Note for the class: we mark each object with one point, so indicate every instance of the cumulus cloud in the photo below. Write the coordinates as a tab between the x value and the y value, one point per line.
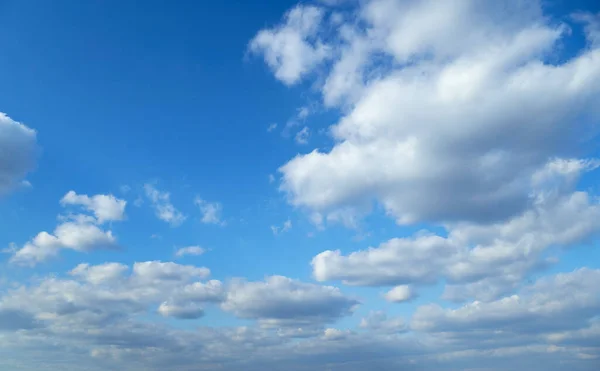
211	211
19	145
164	209
454	123
400	294
292	49
105	207
79	232
103	319
573	297
78	236
281	301
478	260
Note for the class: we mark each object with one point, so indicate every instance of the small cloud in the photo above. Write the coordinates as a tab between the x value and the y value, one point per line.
271	128
302	136
303	112
271	178
190	250
164	209
211	211
400	294
125	188
287	225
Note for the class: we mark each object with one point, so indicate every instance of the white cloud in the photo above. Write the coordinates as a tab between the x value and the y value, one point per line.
76	318
573	297
281	301
105	207
446	106
271	127
100	274
161	202
293	48
190	250
19	146
477	260
400	294
75	235
211	211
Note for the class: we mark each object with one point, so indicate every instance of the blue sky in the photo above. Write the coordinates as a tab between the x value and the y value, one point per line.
330	180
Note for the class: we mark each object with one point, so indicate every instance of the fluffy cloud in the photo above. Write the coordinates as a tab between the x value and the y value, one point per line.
105	207
455	126
77	236
19	146
77	232
293	48
400	294
481	261
281	301
164	209
573	297
98	322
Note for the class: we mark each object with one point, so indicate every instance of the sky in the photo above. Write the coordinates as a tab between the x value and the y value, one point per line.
324	185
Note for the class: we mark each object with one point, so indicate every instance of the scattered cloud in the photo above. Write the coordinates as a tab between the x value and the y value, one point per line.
302	136
105	207
190	250
287	225
79	232
211	211
164	209
293	48
271	127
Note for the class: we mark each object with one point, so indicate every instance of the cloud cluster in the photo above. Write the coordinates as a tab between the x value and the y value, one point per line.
96	317
79	232
479	261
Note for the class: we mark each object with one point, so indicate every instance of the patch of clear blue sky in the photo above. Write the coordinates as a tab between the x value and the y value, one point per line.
125	92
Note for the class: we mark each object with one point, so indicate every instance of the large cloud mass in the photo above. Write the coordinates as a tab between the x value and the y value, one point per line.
469	103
